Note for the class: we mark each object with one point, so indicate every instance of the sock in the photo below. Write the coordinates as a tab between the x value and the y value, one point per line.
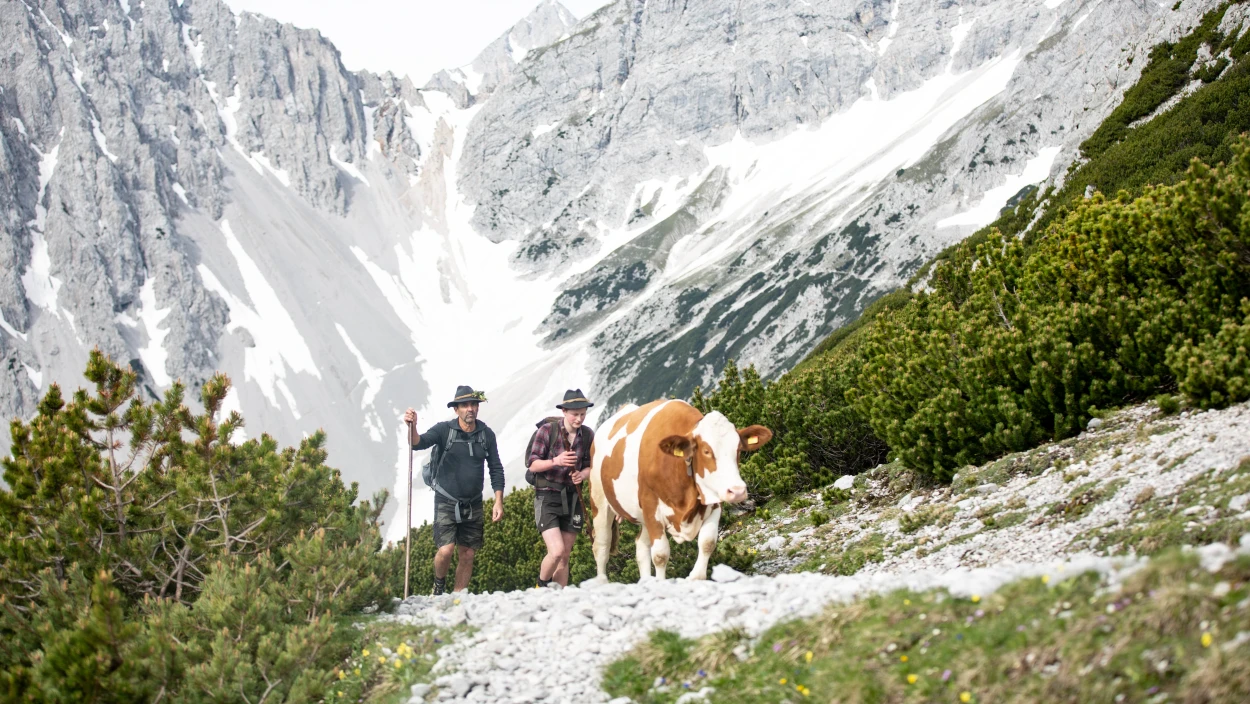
440	585
542	583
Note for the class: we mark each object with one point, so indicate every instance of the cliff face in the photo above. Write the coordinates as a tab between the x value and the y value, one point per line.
620	203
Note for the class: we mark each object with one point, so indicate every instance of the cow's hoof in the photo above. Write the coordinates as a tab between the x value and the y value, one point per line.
595	581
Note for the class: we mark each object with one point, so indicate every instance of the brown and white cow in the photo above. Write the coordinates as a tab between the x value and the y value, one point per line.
666	466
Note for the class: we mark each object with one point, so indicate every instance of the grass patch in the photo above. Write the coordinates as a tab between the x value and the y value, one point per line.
386	660
940	514
1169	633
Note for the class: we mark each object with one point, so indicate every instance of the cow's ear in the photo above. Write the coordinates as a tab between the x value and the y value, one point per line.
678	446
753	438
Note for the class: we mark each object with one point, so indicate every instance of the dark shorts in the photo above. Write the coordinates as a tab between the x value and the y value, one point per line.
549	512
467	533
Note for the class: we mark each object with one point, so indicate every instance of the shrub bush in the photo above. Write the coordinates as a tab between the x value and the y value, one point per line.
1012	348
1216	371
143	554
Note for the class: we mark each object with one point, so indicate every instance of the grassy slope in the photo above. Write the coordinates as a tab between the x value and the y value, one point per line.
1171	631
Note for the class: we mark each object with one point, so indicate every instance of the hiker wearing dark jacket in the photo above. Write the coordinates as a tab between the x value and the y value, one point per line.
560	460
467	448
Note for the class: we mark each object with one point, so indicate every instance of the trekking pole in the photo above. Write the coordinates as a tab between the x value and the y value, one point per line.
408	525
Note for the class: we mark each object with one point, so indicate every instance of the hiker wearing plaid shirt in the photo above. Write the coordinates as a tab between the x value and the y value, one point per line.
559	459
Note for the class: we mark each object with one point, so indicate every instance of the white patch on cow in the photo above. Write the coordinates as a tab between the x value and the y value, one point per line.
626	486
720	434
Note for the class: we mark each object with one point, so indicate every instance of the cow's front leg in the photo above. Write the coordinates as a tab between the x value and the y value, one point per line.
643	552
708	534
659	554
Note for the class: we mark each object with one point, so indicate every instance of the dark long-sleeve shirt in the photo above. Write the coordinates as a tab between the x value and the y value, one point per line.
460	474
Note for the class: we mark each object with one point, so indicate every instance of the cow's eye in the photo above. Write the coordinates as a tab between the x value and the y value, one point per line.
707	452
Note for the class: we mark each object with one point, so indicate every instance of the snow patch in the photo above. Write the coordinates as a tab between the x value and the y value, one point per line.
180	192
41	286
544	129
153	354
891	31
348	167
370	375
1036	170
100	140
258	160
4	325
35	375
279	346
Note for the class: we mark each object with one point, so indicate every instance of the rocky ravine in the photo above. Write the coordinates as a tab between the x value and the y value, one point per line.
516	636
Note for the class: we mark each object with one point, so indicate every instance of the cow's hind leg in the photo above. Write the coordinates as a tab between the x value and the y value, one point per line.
659	554
708	534
643	552
604	530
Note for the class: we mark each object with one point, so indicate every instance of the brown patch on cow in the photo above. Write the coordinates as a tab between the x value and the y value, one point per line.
609	472
617	425
662	476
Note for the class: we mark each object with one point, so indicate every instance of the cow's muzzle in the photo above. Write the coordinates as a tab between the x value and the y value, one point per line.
735	494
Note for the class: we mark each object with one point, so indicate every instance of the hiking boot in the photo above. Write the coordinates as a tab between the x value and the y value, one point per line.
440	586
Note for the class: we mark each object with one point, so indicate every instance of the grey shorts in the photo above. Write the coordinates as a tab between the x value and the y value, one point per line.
467	533
549	512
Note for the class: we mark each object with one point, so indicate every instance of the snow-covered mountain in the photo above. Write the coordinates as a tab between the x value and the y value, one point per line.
618	204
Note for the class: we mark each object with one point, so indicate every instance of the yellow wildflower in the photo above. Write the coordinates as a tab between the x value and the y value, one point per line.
808	656
965	697
911	679
1206	640
1045	579
976	598
781	681
342	674
907	602
399	664
365	652
340	694
357	671
902	658
455	602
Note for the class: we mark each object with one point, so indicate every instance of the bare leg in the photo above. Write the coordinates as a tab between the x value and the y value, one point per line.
562	571
442	560
643	552
659	555
464	567
550	567
708	533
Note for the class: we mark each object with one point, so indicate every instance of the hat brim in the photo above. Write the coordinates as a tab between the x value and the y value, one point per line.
453	404
574	405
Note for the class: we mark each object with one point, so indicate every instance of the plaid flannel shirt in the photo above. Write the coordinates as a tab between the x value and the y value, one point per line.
545	447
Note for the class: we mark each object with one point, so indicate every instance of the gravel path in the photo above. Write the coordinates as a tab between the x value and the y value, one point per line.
552	645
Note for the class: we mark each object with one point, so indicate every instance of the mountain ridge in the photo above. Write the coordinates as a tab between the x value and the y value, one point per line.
255	204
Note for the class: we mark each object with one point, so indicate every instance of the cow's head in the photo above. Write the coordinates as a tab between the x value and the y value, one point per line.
711	450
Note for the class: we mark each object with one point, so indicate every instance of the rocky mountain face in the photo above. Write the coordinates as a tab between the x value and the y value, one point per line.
620	203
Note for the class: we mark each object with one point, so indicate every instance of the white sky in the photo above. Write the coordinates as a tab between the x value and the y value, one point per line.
414	37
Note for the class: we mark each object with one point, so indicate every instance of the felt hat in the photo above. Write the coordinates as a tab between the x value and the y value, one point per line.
573	400
465	394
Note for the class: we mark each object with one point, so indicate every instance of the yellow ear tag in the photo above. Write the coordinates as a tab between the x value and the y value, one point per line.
753	440
677	452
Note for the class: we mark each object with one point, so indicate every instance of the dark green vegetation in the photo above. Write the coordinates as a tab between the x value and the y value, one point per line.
1172	628
1018	341
512	551
145	556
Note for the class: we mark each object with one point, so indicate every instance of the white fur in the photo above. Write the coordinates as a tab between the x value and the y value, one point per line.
716	430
